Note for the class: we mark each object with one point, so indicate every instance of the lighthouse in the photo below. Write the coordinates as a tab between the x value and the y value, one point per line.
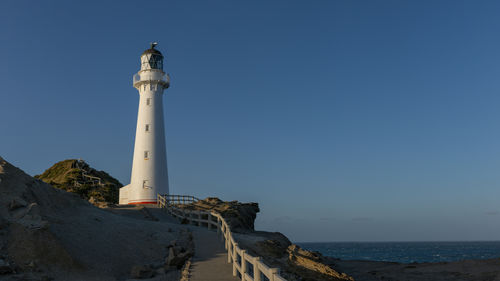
149	167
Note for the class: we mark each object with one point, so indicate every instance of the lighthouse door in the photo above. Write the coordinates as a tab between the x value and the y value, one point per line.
145	184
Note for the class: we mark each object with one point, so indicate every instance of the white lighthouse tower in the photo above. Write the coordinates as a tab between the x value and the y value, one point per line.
149	166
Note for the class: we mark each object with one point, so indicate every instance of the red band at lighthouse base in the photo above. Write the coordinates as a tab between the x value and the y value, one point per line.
142	202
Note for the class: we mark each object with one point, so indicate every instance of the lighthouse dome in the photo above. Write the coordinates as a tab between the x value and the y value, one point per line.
152	58
152	50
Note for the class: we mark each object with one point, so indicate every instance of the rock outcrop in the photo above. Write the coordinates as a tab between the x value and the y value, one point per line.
78	177
311	265
179	253
295	263
239	216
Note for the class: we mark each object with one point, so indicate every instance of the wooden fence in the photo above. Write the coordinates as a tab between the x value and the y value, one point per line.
245	266
167	200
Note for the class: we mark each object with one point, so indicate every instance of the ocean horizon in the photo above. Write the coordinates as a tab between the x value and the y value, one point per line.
407	252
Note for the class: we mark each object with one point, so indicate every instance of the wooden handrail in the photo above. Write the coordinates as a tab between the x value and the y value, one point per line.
239	257
171	199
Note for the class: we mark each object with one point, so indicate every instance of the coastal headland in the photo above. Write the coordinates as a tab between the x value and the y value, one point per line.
47	233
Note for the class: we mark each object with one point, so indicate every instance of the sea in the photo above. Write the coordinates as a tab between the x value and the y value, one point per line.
406	252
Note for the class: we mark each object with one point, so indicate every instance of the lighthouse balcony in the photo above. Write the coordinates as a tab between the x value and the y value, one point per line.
151	77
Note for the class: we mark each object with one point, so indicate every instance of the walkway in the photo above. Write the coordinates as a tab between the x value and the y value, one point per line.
210	259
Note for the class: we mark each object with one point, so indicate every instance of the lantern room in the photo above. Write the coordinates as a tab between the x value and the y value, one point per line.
152	59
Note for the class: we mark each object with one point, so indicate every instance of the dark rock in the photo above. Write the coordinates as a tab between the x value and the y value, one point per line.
3	223
157	265
147	213
17	203
173	275
29	276
27	244
178	250
274	247
31	265
170	268
171	255
161	271
30	217
141	272
177	260
5	267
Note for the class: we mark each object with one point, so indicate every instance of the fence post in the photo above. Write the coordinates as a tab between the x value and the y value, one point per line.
209	217
243	264
224	234
274	272
229	250
235	258
218	226
256	270
199	218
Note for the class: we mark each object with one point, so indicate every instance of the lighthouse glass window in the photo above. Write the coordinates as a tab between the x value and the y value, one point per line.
156	62
146	155
152	61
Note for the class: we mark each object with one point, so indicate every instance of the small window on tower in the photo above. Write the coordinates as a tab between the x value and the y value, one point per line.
146	155
147	127
148	101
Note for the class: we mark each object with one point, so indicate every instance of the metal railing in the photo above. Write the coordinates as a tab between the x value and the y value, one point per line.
245	266
164	79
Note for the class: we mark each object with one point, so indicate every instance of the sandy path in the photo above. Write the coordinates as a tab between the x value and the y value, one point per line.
210	260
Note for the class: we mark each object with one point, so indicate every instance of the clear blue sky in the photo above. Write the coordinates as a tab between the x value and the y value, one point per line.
346	120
